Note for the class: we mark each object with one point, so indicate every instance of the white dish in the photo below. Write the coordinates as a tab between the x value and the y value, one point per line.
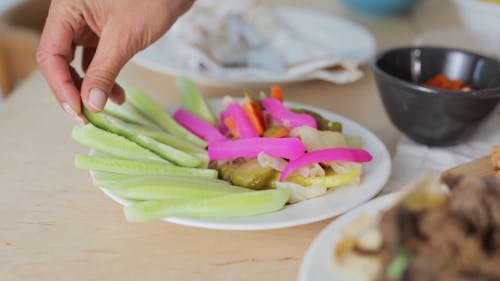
333	203
479	16
481	20
319	263
348	41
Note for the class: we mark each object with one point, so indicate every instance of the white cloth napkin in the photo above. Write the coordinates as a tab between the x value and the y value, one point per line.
411	158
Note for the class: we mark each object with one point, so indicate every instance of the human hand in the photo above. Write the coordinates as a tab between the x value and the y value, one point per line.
111	33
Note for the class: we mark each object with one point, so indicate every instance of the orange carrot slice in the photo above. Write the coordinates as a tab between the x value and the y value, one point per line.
231	125
255	116
277	93
276	132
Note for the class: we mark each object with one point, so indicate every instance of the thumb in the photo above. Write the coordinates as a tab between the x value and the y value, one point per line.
110	57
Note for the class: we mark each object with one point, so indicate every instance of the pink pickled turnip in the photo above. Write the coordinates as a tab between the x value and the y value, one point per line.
243	124
326	155
289	148
198	126
285	116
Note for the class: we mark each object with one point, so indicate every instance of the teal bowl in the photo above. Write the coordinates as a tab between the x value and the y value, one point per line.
381	7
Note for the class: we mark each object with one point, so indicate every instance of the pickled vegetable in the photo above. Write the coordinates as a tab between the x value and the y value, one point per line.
285	116
249	174
327	181
323	123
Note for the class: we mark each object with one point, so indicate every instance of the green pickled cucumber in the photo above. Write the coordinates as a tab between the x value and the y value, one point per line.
193	101
172	187
112	144
149	108
249	174
226	170
130	167
227	206
323	123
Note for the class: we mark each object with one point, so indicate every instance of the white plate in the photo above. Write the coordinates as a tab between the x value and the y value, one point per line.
319	263
348	40
333	203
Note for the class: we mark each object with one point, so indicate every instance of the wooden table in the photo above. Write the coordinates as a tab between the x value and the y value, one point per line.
56	226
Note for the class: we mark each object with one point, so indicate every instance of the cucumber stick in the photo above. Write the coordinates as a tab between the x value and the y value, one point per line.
179	157
166	138
172	187
232	205
121	128
203	156
112	144
175	142
128	113
104	179
193	101
130	167
154	112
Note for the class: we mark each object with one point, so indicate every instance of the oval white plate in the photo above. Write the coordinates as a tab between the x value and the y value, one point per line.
333	203
319	263
348	41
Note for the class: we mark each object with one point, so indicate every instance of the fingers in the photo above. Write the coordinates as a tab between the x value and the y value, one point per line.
87	55
53	56
77	81
117	94
112	52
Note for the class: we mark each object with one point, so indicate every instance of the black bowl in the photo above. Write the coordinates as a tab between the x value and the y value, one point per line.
434	116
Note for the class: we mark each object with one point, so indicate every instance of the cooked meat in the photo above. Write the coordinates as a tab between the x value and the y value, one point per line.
451	180
390	229
494	241
495	158
493	199
458	241
467	203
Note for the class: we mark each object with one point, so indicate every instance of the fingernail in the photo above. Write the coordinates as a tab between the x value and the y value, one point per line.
97	99
71	112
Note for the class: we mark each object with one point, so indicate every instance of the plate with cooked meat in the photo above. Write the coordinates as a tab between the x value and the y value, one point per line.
431	231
